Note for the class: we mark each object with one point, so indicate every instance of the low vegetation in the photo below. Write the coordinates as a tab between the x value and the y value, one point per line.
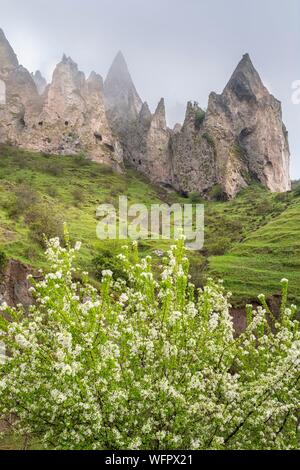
199	118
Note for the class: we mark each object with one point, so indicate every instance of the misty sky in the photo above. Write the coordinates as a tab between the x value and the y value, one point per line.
180	50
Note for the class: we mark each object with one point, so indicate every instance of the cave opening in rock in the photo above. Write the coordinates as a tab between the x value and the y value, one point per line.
98	136
110	147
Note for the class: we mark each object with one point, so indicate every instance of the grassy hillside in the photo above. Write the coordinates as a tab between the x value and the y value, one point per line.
266	256
251	241
65	188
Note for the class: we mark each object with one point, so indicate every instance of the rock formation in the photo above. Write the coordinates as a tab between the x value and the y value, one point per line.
240	138
250	139
68	118
39	81
14	285
21	97
193	154
73	118
149	145
122	101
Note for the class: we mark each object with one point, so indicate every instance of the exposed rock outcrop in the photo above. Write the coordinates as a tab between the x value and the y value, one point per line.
123	104
245	124
240	138
21	102
39	81
158	158
193	154
73	118
14	286
8	58
148	145
67	118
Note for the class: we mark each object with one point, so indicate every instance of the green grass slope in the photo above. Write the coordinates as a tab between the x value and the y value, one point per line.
251	241
70	187
266	256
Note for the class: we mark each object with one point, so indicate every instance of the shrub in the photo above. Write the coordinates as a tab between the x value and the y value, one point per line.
52	191
148	364
21	160
3	260
219	246
53	168
107	170
209	140
24	198
196	198
283	197
297	191
43	223
199	118
81	160
78	195
217	193
106	260
264	207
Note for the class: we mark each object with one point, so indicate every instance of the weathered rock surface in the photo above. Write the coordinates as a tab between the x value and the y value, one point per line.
148	146
14	284
193	155
73	118
67	118
245	124
158	156
39	81
123	104
21	97
240	138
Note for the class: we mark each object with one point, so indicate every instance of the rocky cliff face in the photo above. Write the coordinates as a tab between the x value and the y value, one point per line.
21	102
193	154
123	104
148	146
250	139
240	138
14	286
39	81
73	118
68	117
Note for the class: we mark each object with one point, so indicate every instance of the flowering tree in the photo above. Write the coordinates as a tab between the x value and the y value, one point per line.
148	364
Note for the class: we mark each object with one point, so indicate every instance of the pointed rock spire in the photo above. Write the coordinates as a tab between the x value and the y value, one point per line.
145	113
119	89
245	124
122	103
192	110
119	68
177	128
8	58
95	80
245	81
40	82
159	117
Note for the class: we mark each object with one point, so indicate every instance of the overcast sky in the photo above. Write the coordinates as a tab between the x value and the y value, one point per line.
179	50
